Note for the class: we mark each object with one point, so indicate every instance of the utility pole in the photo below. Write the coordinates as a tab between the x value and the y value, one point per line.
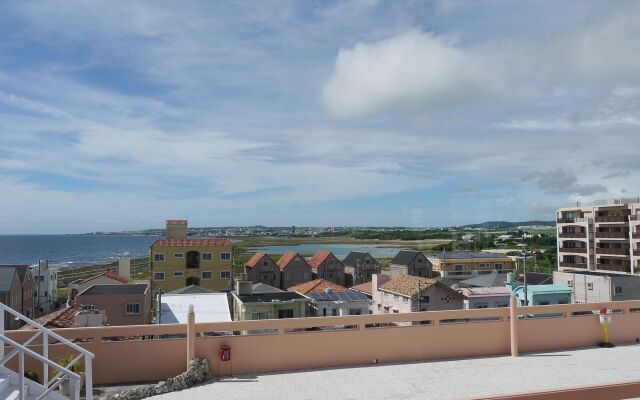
526	302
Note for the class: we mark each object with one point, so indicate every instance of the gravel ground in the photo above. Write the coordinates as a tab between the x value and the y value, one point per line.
448	379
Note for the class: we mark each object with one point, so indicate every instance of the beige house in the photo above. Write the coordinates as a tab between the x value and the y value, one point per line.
604	237
262	269
266	304
407	293
359	267
104	278
325	265
467	264
409	262
122	304
294	269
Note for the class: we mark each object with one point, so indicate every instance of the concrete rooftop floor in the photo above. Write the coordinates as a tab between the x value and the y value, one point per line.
446	379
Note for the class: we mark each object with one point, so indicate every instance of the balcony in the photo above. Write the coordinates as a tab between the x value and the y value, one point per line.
612	235
636	235
577	235
573	220
580	250
636	253
573	265
620	252
614	267
613	218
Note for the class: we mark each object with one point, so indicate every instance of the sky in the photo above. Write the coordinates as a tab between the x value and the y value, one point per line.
117	115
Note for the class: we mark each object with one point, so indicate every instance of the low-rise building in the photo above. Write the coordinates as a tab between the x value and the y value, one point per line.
103	278
410	262
26	288
464	264
262	269
123	304
407	293
248	305
598	287
208	307
327	298
294	269
359	267
10	295
45	287
325	265
486	297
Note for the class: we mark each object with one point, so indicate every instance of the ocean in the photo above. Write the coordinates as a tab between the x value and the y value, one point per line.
72	250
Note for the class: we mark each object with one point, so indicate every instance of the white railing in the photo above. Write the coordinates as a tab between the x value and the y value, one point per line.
64	373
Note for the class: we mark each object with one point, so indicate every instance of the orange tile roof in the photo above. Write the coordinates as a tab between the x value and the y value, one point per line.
63	318
317	286
286	259
176	222
318	258
407	285
197	242
108	274
366	287
253	261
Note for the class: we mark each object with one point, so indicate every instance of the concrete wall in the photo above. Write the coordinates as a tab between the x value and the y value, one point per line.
372	338
598	288
488	301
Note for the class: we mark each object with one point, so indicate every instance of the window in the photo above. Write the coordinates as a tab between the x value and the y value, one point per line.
484	265
158	257
618	290
334	312
424	299
265	263
285	313
482	305
500	305
570	283
386	310
259	315
563	301
207	257
207	275
355	311
544	303
396	297
498	266
178	274
158	276
590	285
225	274
133	308
225	256
178	255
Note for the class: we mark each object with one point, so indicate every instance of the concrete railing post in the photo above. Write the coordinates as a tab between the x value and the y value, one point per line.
513	321
191	335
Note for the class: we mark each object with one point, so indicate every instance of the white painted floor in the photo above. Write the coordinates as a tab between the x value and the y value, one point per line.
450	379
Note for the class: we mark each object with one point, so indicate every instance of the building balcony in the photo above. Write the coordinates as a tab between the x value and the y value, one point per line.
636	235
579	250
613	218
578	235
636	253
572	220
620	252
614	267
612	235
573	265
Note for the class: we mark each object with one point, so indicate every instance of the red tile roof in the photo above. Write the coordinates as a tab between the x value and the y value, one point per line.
198	242
318	258
366	287
253	261
176	222
108	274
317	286
286	259
63	318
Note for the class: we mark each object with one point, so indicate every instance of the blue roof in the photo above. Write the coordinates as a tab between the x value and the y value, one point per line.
533	289
338	296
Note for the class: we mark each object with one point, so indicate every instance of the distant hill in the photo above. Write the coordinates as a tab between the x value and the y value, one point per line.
509	225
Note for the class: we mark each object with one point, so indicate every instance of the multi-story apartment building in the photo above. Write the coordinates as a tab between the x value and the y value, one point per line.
464	264
294	269
604	237
262	269
45	287
359	267
410	262
178	261
327	266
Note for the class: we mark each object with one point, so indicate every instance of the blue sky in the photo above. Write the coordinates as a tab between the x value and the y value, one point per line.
118	115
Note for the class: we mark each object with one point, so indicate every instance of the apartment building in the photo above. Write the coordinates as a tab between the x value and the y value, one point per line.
599	287
45	287
178	261
410	262
325	265
262	269
465	264
359	267
294	269
603	237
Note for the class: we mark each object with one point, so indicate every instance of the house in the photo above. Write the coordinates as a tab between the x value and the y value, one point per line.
26	288
540	295
327	298
466	264
262	268
208	307
294	269
359	267
597	287
408	293
103	278
325	265
409	262
248	305
364	288
486	297
485	280
123	304
178	261
10	295
45	286
71	317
